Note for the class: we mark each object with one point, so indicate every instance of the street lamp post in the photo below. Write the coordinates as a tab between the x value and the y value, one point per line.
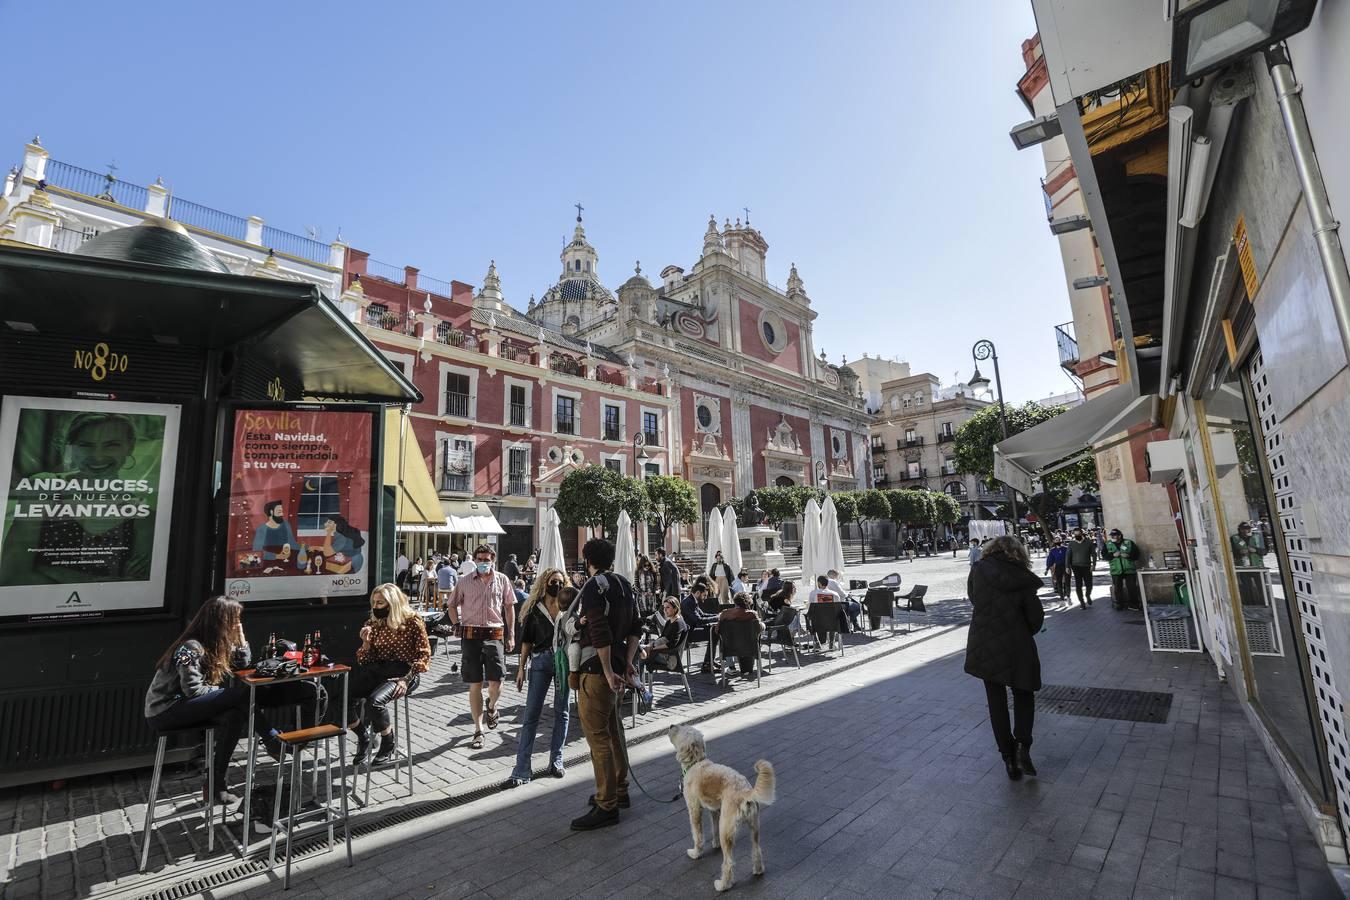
639	456
984	349
820	473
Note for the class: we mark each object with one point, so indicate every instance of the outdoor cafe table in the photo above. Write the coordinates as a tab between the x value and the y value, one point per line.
246	676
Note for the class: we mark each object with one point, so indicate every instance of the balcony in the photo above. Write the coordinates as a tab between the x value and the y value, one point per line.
946	438
1068	346
914	476
910	442
613	432
457	404
518	415
651	438
452	483
566	425
517	485
878	447
880	480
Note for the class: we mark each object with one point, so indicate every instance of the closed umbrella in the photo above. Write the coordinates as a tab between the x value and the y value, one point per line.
714	535
625	560
810	544
831	546
731	540
551	550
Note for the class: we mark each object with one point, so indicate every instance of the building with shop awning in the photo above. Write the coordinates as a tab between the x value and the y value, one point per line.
461	517
405	469
1021	460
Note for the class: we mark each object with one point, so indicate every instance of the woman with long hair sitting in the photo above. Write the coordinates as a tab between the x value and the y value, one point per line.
193	685
539	617
394	651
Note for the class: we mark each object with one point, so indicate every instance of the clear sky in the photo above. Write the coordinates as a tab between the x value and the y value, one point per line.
868	139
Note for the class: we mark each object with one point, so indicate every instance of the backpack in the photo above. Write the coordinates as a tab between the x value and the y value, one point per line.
568	633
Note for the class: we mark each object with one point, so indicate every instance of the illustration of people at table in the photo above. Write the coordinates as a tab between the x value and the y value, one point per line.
274	536
342	541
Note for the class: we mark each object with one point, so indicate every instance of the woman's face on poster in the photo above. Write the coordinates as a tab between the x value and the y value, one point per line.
100	450
330	527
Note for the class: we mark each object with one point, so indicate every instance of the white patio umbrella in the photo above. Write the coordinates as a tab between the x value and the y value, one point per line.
831	546
625	560
731	540
714	536
810	545
551	550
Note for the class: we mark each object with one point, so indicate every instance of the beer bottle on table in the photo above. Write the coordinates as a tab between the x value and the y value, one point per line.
318	649
307	651
271	648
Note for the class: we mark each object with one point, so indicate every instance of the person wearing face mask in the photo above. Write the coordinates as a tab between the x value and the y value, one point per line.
1082	556
482	608
1057	566
394	651
538	621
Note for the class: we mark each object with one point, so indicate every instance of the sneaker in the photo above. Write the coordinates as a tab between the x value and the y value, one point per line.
594	818
556	770
624	802
510	783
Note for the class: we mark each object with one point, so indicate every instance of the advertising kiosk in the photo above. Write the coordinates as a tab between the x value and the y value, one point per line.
170	431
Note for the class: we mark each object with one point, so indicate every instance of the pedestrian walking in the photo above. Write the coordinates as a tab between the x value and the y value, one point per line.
609	643
481	607
1057	566
1001	645
722	576
1122	554
669	573
973	554
538	623
1082	556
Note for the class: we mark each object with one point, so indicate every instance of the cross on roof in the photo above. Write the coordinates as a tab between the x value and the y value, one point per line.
579	209
747	215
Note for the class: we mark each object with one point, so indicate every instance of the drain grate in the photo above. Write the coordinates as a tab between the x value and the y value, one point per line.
1105	703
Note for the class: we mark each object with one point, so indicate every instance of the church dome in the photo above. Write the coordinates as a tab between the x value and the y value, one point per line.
159	242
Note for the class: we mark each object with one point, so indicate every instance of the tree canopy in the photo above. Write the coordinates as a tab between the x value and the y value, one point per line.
592	497
672	501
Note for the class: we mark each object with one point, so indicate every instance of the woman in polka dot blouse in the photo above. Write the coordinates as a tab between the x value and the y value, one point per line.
394	651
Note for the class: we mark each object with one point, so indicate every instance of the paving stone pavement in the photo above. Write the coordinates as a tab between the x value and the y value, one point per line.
82	839
889	785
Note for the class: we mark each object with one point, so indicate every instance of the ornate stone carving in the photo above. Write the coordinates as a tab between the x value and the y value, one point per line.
781	438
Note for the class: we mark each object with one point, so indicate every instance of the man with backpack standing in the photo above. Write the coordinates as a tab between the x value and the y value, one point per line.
1122	552
609	643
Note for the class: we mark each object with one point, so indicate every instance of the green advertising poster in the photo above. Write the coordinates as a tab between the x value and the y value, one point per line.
87	487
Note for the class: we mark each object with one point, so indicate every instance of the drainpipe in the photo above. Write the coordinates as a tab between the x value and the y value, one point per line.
1288	93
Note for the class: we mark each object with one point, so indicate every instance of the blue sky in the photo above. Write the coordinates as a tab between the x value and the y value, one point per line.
868	139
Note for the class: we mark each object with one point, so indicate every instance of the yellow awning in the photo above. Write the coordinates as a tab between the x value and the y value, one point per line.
406	469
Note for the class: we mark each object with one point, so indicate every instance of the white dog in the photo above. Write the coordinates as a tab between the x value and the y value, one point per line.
727	794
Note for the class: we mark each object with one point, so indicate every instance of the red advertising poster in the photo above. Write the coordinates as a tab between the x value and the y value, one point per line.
300	504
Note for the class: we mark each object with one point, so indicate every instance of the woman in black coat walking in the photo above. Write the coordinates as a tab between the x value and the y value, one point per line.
1001	646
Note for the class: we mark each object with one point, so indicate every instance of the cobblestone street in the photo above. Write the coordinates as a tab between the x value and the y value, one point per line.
82	839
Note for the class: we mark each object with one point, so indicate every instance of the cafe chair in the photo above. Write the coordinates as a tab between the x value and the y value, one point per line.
878	604
210	811
736	639
822	620
292	743
402	756
679	655
778	630
914	603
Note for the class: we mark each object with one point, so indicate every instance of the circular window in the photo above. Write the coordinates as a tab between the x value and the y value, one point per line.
772	331
704	416
576	457
554	455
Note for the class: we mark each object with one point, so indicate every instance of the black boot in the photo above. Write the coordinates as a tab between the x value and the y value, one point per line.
1010	763
1024	759
387	744
362	744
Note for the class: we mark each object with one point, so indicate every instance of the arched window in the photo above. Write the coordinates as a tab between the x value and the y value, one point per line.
895	404
907	401
578	265
918	399
783	481
955	489
588	265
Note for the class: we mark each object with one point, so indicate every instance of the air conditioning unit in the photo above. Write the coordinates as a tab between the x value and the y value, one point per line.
1166	460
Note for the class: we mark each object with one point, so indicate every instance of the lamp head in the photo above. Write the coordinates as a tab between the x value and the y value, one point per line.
977	380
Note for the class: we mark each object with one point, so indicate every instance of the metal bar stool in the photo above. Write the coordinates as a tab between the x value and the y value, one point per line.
294	742
210	810
402	725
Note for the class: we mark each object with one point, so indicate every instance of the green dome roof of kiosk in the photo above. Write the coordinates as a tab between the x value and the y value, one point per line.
159	242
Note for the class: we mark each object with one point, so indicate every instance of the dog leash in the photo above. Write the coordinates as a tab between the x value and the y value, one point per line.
623	747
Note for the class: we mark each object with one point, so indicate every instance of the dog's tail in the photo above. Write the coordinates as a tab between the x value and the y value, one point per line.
764	791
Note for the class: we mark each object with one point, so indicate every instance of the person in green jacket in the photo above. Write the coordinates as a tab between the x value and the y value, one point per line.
1122	552
1082	556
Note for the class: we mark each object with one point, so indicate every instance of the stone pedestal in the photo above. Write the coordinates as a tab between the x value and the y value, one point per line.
759	549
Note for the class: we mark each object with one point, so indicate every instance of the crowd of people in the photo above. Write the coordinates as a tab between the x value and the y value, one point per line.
1072	556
